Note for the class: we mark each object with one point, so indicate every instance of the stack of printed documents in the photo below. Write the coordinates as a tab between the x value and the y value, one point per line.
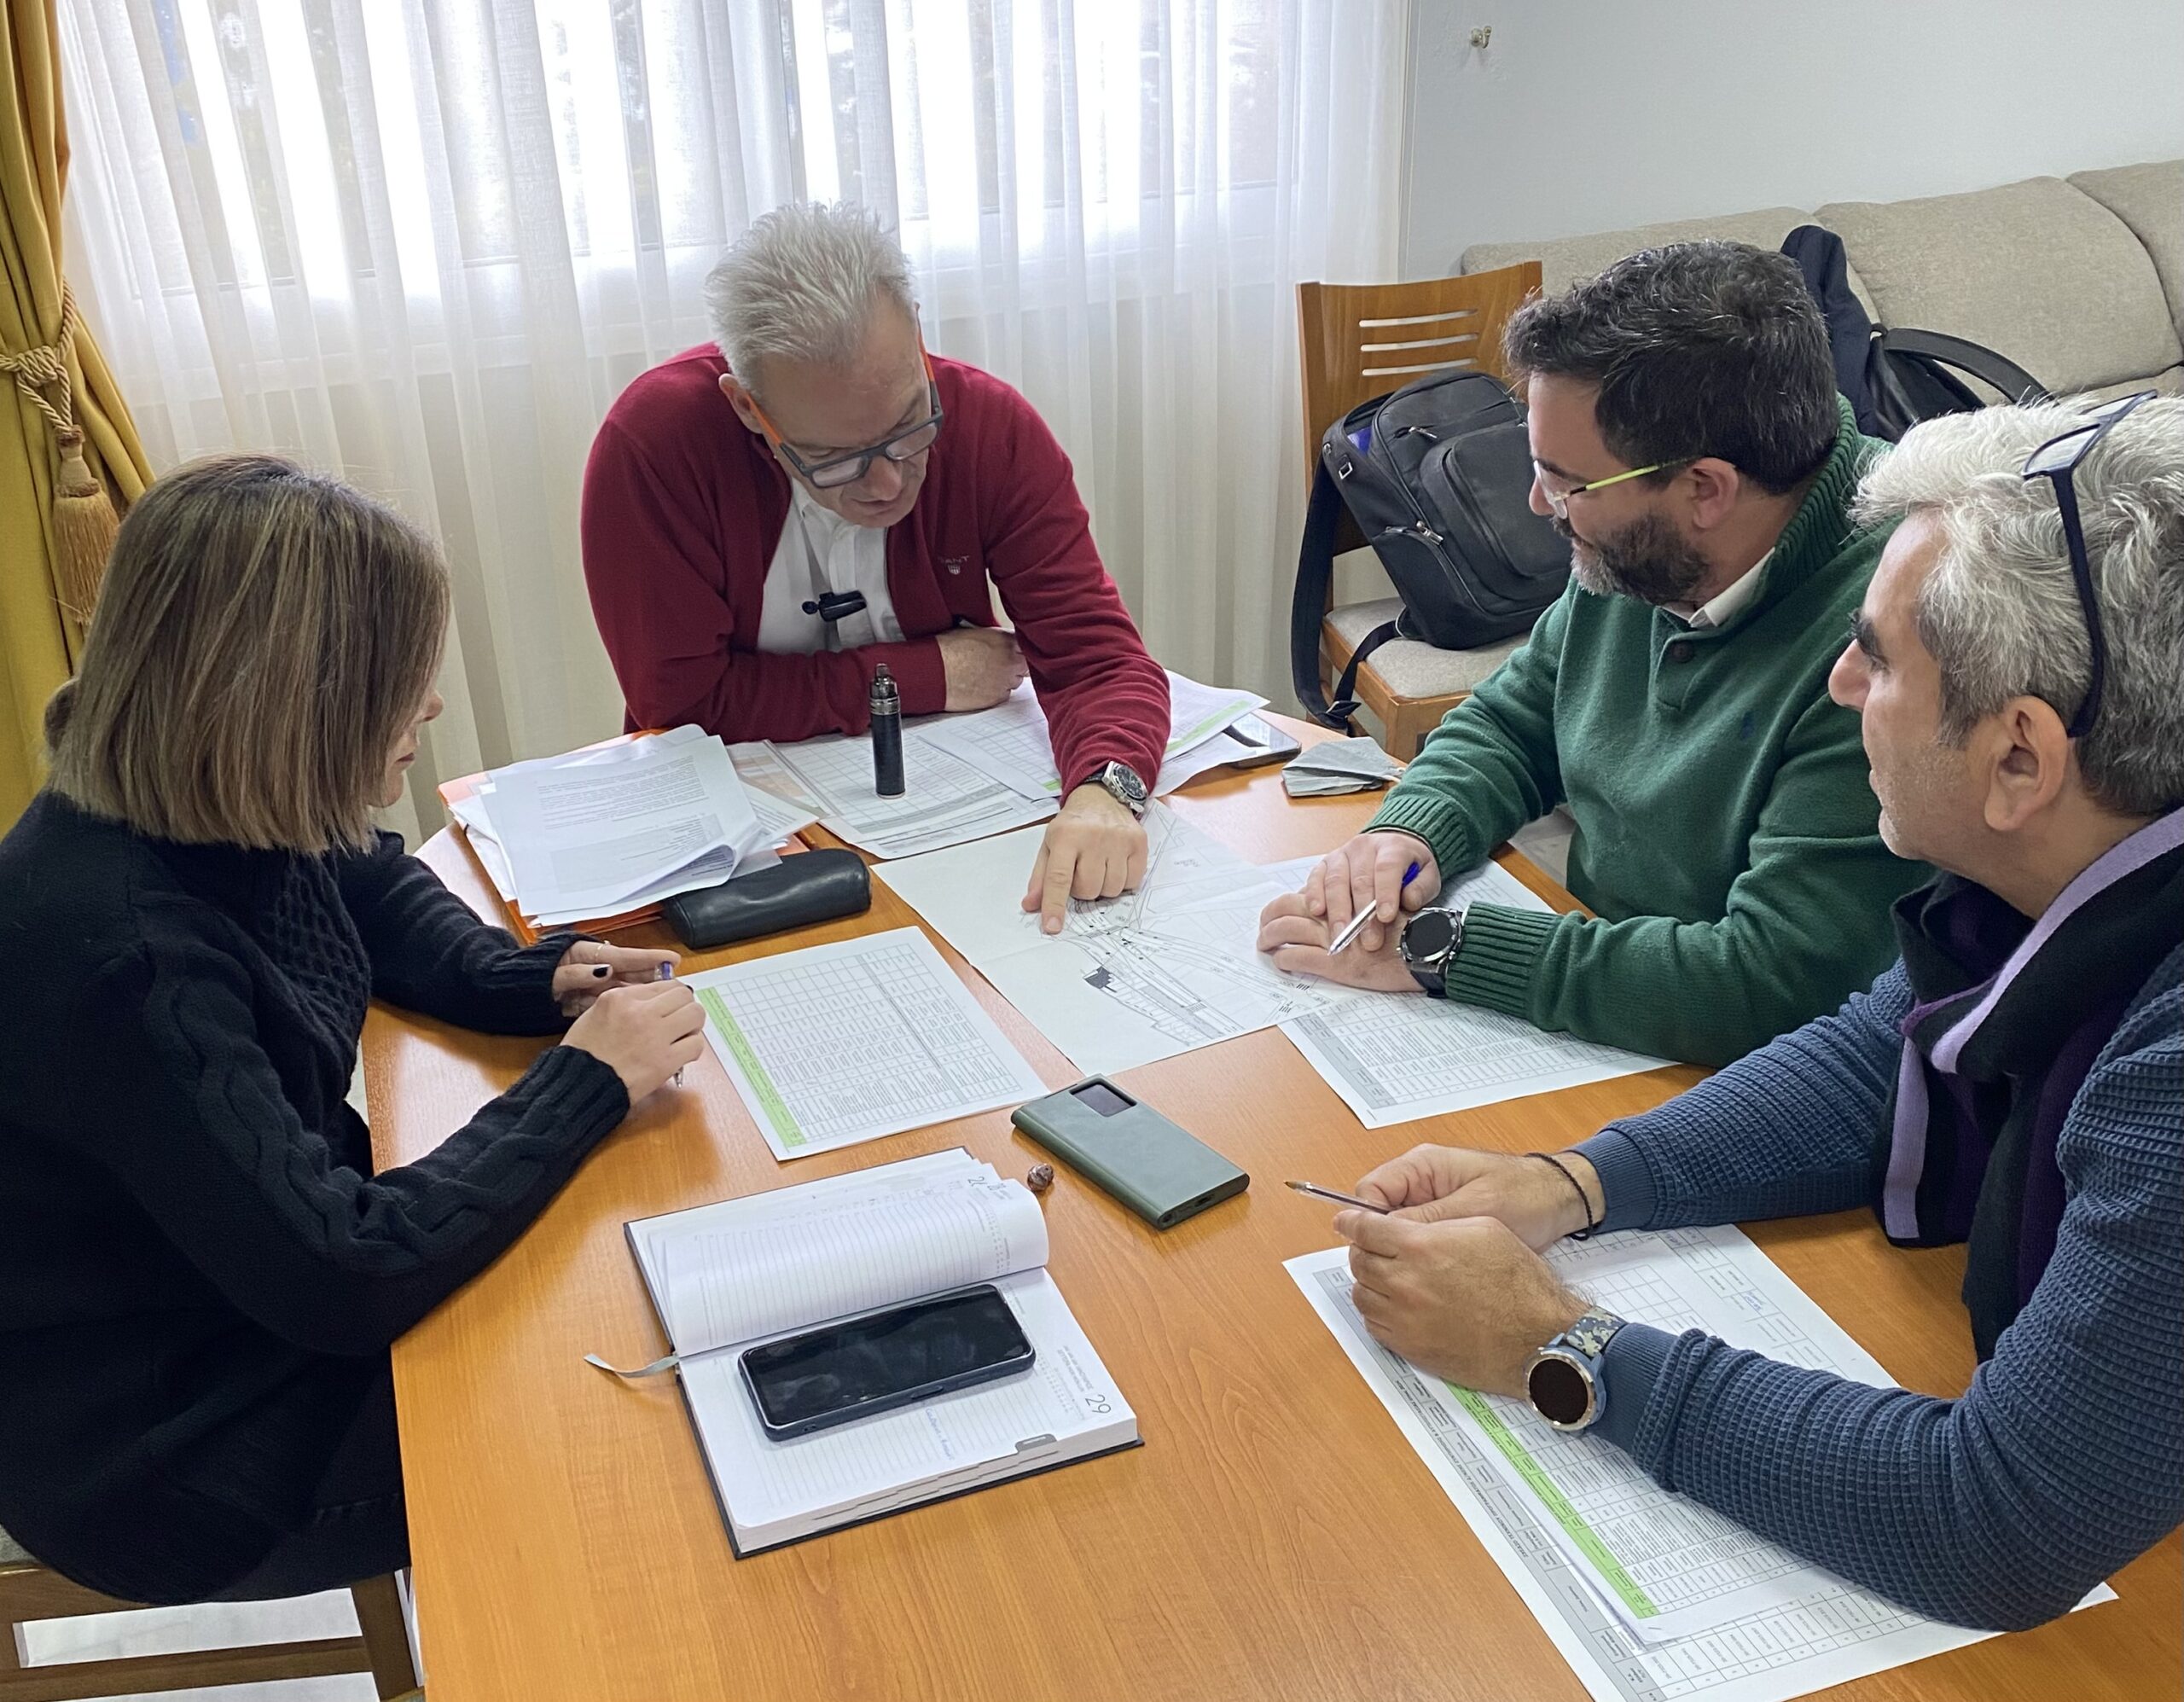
970	776
616	828
1338	765
1009	742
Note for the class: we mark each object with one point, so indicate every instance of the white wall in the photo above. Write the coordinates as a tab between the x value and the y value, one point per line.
1592	114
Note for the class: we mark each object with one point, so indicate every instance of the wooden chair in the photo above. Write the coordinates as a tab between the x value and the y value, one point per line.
29	1591
1360	340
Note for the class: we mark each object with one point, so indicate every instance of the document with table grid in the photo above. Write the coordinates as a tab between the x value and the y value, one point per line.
840	1043
1649	1596
1395	1059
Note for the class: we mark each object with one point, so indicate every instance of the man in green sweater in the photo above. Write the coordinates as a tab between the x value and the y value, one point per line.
1687	439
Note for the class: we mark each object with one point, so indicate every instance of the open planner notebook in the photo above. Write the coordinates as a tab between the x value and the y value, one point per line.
726	1277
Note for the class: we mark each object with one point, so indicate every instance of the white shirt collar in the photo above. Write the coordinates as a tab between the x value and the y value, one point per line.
1727	605
814	512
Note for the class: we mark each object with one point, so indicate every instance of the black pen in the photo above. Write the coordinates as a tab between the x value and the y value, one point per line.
1315	1189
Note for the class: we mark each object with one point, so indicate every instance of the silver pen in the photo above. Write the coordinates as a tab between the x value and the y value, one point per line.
1350	930
1356	925
1317	1192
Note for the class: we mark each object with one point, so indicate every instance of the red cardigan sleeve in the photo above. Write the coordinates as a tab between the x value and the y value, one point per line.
1104	697
659	582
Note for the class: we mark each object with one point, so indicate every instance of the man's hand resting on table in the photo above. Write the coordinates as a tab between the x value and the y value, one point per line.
1465	1299
981	665
1094	849
1297	927
1451	1279
1432	1184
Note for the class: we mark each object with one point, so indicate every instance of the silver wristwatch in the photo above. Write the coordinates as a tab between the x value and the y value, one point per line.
1119	781
1564	1378
1428	941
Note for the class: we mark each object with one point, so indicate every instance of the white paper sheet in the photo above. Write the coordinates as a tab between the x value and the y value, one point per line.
1161	971
784	805
1394	1057
1772	1627
584	835
474	813
788	1264
1010	742
945	801
840	1043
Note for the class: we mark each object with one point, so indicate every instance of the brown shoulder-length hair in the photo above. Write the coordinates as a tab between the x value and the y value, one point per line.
263	636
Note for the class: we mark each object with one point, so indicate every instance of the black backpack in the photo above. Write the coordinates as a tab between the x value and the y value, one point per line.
1892	380
1439	478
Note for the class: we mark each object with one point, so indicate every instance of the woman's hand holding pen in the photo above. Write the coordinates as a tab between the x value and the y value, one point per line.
589	967
645	1033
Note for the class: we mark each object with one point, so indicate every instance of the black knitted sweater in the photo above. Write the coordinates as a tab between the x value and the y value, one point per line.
200	1274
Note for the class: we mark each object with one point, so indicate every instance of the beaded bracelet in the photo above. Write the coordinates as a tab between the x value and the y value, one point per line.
1584	1198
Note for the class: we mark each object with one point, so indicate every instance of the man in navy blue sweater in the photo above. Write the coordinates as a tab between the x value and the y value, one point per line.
2015	1082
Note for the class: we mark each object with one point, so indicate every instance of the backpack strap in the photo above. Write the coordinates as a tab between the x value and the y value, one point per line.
1308	603
1910	380
1346	705
2005	374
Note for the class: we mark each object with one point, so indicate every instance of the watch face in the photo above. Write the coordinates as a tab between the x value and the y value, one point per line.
1428	935
1123	779
1558	1390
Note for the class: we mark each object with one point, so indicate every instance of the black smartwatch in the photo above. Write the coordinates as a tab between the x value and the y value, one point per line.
1430	940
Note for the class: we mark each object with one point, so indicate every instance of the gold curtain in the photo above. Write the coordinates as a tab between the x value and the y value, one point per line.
61	387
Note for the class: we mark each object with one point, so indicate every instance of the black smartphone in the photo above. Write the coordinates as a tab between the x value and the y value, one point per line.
1261	742
851	1370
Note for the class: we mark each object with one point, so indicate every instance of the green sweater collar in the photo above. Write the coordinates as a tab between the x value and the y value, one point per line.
1821	527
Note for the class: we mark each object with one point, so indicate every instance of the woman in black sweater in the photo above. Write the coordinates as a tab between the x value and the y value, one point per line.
200	1273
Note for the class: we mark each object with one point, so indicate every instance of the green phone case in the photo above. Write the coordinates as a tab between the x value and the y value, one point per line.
1159	1170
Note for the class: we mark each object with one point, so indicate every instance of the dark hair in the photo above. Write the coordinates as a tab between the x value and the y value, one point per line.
1699	349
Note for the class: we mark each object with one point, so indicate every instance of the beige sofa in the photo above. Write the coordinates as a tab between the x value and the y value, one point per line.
2079	281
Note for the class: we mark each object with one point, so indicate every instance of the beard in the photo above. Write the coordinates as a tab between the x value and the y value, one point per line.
1647	560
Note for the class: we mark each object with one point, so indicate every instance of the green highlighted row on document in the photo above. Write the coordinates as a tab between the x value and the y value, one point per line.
1587	1541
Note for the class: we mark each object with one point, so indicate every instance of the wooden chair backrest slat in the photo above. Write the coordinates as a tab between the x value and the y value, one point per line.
1356	341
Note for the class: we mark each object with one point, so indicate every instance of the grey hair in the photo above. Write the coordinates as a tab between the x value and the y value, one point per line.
801	283
2000	612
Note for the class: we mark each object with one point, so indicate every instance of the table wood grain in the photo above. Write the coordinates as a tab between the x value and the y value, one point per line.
1275	1536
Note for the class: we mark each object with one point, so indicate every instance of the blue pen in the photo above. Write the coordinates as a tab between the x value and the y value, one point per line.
1356	925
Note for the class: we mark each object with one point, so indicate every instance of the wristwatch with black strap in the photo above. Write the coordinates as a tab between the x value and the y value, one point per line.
1565	1379
1120	781
1430	940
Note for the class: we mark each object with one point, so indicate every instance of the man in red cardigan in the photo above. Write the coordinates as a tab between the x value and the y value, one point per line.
770	517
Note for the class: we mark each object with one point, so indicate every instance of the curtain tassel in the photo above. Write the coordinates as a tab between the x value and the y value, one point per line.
83	520
83	528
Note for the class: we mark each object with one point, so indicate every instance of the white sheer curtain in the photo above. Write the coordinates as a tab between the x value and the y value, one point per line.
423	243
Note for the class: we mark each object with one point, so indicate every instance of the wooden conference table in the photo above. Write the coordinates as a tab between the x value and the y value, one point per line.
1274	1537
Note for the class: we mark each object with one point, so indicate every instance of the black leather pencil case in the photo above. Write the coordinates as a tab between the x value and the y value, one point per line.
810	887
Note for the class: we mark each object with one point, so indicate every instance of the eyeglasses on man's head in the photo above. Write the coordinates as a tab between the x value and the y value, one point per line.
2056	460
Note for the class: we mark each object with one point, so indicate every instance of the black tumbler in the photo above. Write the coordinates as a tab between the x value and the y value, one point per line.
886	734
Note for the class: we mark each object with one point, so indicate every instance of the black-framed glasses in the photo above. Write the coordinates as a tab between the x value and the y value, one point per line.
2055	460
838	470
